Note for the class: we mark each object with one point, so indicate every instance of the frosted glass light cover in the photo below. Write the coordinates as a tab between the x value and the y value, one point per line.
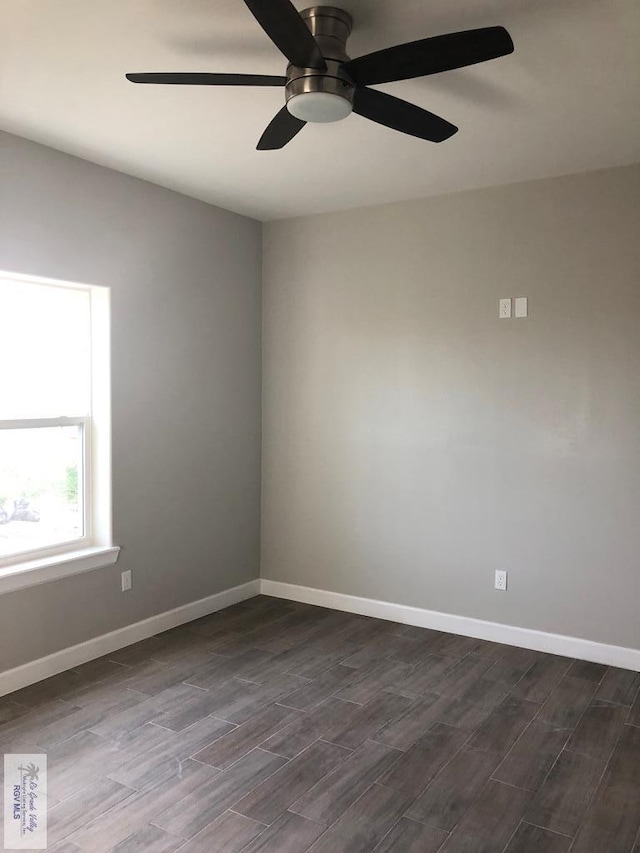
319	107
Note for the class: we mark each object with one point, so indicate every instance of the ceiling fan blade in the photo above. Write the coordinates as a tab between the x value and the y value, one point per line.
282	23
281	130
430	56
401	115
181	79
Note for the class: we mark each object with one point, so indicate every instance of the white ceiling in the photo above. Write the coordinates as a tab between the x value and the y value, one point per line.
567	100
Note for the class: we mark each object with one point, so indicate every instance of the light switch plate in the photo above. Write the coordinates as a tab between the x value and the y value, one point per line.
504	310
522	308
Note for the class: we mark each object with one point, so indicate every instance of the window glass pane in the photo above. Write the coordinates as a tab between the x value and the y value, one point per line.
40	488
45	337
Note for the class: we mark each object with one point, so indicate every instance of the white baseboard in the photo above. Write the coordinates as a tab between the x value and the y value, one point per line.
527	638
558	644
30	673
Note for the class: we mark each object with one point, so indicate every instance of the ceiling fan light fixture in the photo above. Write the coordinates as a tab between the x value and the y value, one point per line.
323	84
321	107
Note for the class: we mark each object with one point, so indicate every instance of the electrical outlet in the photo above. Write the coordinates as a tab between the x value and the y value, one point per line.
504	310
126	580
501	581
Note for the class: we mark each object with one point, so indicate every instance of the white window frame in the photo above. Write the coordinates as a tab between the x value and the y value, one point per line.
95	549
86	539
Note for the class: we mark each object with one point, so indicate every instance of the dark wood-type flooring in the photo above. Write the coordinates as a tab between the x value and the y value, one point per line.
276	727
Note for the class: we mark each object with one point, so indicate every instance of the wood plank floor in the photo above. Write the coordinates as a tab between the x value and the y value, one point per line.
276	727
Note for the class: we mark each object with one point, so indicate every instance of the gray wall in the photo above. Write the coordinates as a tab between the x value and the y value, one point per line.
413	443
185	280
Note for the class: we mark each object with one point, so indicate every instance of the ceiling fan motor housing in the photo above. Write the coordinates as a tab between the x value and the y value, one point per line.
323	96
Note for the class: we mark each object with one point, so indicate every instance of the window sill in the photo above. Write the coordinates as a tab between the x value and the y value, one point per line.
46	569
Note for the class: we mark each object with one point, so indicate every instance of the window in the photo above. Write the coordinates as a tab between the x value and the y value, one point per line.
55	490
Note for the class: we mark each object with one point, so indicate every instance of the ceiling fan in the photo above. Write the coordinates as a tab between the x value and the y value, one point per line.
323	84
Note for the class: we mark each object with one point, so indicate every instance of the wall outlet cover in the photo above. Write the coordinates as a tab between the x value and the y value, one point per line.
501	581
504	309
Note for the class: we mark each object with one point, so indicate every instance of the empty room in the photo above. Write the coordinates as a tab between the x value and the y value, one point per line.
320	426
